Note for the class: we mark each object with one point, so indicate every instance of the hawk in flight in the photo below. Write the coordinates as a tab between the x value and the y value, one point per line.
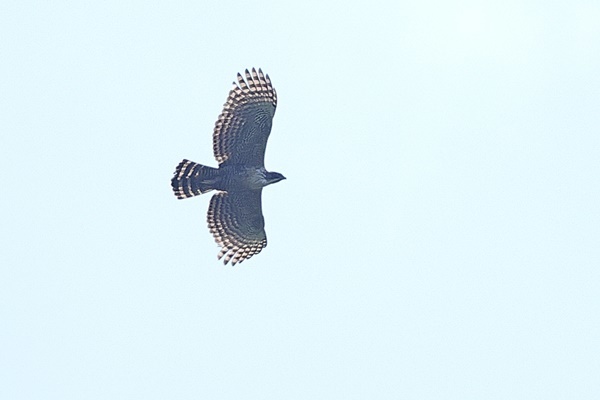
240	136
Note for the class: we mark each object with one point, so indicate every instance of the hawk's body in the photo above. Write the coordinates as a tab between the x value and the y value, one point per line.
239	141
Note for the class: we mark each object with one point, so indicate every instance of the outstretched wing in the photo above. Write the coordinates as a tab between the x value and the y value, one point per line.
242	130
235	220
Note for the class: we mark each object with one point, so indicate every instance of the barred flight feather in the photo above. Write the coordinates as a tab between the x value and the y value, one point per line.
239	234
191	179
248	98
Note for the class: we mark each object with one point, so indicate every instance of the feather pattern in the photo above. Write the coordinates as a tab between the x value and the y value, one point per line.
242	130
236	222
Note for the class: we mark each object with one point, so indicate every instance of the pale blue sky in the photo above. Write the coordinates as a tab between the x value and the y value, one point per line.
437	236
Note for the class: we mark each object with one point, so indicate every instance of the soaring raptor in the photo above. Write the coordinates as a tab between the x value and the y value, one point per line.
240	136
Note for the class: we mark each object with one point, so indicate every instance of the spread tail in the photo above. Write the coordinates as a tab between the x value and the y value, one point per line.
191	179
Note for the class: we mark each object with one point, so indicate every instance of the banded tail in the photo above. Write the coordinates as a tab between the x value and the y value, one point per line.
191	179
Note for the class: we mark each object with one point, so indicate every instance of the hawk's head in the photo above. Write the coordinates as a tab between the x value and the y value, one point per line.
273	177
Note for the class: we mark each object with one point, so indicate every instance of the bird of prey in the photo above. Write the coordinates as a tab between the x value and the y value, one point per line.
240	136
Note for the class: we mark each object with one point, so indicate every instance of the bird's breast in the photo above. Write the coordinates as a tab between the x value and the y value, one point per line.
244	178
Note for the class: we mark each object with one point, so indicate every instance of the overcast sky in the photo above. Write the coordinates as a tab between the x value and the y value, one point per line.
437	236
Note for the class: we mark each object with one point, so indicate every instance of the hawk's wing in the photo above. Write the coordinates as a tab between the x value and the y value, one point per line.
235	220
242	130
